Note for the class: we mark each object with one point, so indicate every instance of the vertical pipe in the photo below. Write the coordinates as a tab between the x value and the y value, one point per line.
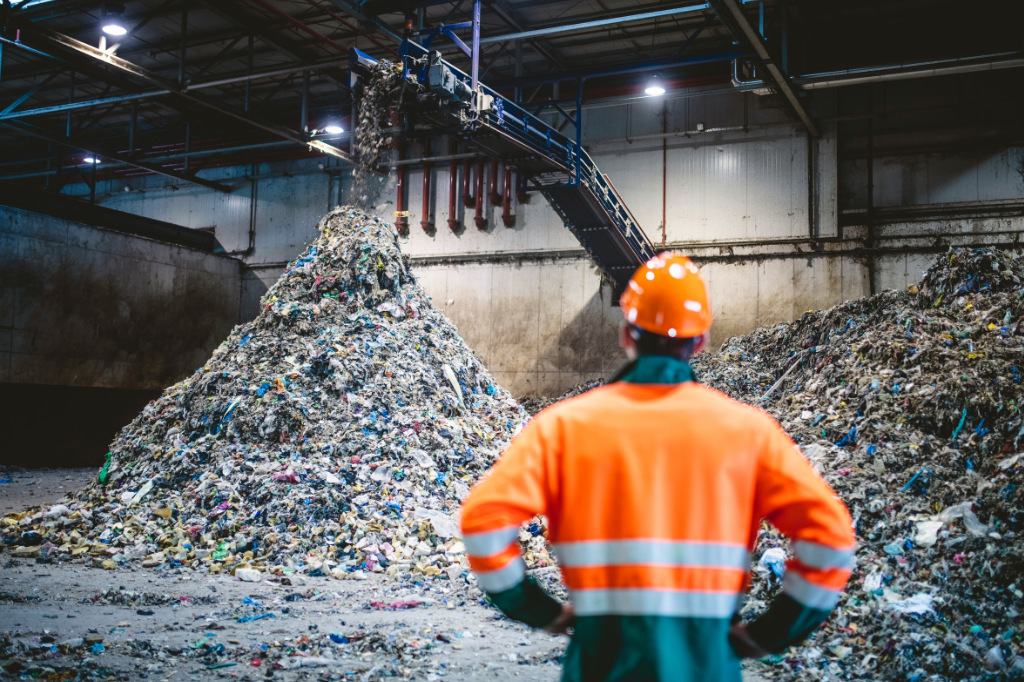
401	215
760	18
425	222
131	128
492	180
664	170
579	130
71	98
188	143
522	196
453	180
507	218
871	192
519	70
467	197
92	188
476	44
248	72
812	202
304	124
481	222
181	57
253	198
784	9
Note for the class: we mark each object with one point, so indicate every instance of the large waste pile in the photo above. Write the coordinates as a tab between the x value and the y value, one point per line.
908	403
335	434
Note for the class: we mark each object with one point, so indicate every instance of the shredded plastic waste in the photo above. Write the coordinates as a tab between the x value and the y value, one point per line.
334	435
908	404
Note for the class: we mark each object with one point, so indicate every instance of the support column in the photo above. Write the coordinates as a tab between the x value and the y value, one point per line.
248	72
131	128
304	124
870	242
519	70
181	57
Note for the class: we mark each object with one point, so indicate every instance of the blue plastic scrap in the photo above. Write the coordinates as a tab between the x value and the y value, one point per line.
246	619
956	432
850	438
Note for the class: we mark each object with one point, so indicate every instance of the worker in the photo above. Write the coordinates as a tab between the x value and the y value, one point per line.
655	488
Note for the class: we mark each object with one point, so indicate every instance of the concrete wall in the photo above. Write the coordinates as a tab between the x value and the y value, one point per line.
93	325
777	221
83	306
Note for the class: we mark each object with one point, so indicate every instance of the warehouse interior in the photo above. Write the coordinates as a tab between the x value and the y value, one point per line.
165	164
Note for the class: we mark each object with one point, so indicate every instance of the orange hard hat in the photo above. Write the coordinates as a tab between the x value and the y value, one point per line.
667	296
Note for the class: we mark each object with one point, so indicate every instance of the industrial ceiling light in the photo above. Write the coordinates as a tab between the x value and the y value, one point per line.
332	126
113	20
655	86
89	159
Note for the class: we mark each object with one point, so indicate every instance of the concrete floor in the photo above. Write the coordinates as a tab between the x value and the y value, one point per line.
64	601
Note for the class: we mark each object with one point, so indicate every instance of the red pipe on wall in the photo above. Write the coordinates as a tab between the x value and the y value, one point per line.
467	198
453	183
481	222
493	180
425	222
401	214
506	204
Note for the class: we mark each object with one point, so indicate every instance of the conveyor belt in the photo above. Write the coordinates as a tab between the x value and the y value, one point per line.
588	204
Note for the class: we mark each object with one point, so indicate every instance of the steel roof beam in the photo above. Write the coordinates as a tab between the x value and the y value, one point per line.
636	67
52	39
565	28
731	14
26	129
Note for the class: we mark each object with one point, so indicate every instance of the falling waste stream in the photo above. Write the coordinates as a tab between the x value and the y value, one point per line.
336	434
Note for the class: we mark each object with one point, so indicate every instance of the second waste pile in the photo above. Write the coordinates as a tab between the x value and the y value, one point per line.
335	434
908	403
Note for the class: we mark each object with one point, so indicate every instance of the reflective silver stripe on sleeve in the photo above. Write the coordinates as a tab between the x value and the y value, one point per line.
813	555
490	543
809	594
504	578
651	552
641	602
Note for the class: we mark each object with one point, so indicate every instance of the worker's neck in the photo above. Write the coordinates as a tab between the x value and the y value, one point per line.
655	369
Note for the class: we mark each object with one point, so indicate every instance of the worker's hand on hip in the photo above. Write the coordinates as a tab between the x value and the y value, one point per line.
743	644
566	619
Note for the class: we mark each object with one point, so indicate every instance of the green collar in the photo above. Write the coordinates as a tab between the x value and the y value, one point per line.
655	369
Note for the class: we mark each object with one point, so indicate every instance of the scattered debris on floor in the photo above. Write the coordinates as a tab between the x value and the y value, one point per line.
335	434
908	403
62	624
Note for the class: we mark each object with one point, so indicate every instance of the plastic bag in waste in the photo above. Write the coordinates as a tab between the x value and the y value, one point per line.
775	559
963	511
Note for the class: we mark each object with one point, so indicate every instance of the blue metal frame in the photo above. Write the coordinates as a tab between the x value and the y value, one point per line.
518	123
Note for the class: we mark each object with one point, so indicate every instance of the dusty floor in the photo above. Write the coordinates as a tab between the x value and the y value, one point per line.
140	624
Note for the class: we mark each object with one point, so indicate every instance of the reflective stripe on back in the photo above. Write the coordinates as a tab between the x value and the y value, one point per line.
813	555
809	594
490	543
650	552
504	578
640	602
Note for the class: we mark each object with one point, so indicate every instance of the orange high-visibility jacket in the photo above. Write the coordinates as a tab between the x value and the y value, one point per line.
654	493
